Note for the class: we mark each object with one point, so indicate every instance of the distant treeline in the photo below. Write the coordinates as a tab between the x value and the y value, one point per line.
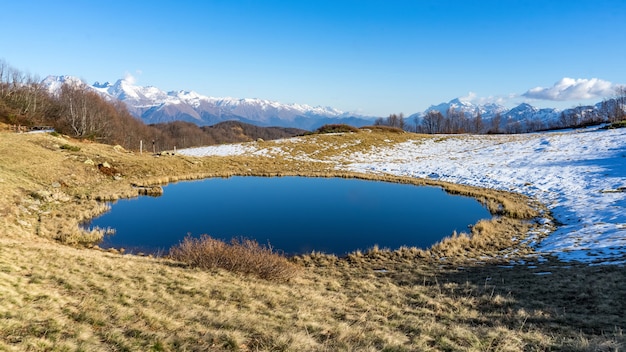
80	112
455	121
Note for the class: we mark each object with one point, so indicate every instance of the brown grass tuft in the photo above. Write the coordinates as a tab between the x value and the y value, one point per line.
241	256
383	128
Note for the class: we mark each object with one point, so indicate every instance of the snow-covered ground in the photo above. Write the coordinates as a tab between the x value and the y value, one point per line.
580	175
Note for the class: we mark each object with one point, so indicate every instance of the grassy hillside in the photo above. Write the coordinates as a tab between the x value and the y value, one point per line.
57	292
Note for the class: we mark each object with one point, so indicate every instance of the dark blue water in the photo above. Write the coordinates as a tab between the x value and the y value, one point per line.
294	214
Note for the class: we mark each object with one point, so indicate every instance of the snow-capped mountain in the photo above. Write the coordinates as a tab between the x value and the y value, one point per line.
526	112
523	117
153	105
487	111
54	83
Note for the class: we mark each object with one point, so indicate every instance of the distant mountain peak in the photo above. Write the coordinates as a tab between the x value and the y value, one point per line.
525	106
101	85
54	83
467	107
459	102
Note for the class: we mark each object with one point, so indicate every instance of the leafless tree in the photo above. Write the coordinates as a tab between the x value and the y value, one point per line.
620	103
495	123
432	122
393	120
85	113
478	124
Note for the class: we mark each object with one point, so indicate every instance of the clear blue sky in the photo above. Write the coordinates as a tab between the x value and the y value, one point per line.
375	57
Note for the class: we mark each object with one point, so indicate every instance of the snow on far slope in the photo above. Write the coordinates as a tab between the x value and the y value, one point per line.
54	83
135	95
579	175
468	108
132	94
152	105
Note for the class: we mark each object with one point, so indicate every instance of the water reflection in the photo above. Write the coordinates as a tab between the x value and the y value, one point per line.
293	214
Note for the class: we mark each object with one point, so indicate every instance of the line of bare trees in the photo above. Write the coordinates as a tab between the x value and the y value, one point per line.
435	122
454	122
74	110
393	120
22	99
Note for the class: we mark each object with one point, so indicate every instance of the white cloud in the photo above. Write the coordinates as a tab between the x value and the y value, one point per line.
475	99
129	78
573	89
471	96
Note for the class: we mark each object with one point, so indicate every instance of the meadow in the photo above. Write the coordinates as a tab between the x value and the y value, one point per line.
60	292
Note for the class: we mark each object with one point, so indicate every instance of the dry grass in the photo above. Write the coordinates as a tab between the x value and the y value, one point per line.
383	128
243	256
460	295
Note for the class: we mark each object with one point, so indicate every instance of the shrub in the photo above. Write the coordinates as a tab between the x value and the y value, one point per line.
336	128
108	170
240	255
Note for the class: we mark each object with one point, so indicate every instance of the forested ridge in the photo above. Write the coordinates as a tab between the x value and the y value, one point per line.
79	112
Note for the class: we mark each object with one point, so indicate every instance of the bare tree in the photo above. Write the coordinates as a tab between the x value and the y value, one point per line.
620	106
478	124
416	121
85	113
3	78
401	121
395	120
432	122
534	124
495	123
455	122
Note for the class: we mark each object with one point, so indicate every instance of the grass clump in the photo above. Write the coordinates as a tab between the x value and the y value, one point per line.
618	124
243	256
383	128
71	148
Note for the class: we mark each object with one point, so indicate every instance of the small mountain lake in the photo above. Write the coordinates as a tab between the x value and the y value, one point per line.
294	214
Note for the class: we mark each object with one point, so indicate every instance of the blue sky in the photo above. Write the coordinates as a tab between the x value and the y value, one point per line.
374	57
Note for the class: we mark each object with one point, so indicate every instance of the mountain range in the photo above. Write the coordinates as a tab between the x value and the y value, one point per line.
153	105
521	118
